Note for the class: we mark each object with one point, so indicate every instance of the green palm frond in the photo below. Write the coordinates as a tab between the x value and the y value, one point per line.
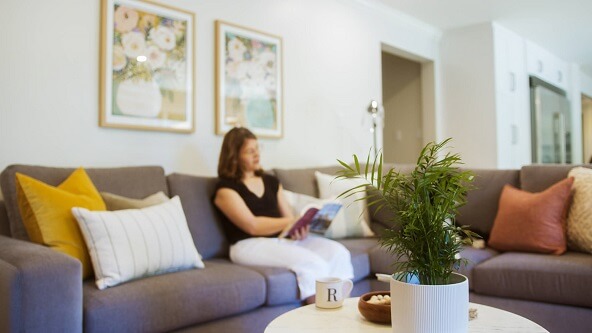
422	242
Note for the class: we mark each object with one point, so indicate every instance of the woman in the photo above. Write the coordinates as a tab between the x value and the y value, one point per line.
256	212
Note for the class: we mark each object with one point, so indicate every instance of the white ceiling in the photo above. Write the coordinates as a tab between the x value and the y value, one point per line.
564	27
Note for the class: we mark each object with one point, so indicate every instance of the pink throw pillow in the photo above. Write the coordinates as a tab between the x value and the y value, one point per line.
532	222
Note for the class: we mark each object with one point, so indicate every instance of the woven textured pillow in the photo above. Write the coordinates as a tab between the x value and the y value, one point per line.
532	222
579	220
133	243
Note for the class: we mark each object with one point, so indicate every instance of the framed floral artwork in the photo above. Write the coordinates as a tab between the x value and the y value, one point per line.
147	65
248	80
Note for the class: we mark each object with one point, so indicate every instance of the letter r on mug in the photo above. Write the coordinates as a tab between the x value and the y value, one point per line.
331	292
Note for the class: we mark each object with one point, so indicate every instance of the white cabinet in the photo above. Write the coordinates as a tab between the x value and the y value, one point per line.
546	66
512	99
486	93
486	96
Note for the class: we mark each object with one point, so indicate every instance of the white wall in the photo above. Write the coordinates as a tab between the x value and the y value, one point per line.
586	84
49	82
586	109
587	129
469	104
574	94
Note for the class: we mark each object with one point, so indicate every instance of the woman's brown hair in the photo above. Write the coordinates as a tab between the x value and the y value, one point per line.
228	163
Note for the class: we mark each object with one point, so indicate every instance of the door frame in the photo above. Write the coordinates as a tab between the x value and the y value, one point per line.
586	159
431	124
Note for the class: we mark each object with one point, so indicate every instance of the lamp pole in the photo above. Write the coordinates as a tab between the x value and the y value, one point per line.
373	110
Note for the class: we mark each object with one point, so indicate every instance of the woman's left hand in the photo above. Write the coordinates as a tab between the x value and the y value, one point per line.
301	233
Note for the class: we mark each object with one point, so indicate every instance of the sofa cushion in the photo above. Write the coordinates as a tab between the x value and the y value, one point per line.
281	285
474	257
381	260
482	201
172	301
538	177
564	279
359	249
203	219
133	182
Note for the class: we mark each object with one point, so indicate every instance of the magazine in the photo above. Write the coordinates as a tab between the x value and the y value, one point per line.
319	219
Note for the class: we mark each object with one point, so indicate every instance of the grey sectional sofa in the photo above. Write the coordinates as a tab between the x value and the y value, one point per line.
41	290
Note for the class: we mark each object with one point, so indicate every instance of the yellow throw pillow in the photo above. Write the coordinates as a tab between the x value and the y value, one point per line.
47	213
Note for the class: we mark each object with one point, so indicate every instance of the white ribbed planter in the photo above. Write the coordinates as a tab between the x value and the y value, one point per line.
419	308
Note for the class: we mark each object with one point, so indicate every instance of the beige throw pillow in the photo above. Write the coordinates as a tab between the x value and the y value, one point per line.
118	202
356	215
579	220
300	202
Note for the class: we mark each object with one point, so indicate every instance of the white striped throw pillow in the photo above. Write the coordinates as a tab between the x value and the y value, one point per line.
135	243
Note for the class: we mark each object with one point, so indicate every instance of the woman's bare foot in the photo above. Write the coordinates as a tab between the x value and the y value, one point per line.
309	300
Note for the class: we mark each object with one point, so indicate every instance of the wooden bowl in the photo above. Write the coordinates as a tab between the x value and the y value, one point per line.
376	313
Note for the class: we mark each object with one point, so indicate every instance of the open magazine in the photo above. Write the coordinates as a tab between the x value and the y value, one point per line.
319	219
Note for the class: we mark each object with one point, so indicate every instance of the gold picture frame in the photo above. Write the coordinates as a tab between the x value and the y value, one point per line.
249	86
147	67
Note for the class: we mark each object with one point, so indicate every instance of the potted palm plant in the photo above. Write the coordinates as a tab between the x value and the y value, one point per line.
427	295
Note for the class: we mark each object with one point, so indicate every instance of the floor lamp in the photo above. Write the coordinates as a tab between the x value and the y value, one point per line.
373	111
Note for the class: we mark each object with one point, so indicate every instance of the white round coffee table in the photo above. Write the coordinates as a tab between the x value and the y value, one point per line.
347	319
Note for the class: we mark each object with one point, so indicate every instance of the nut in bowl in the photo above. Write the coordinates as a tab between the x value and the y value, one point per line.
376	306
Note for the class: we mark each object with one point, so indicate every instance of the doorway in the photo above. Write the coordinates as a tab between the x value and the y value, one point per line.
587	128
402	101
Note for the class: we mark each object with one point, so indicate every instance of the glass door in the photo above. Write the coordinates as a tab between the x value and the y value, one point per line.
550	123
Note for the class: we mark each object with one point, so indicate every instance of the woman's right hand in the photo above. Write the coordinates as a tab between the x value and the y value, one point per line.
301	233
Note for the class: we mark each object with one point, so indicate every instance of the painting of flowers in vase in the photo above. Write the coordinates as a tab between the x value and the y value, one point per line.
147	67
248	80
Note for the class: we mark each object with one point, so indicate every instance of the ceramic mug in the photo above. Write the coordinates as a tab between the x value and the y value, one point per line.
331	292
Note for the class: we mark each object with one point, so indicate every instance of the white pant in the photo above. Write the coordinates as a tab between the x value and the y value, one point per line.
312	258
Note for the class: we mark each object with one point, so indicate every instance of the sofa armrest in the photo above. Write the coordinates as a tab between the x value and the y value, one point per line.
40	289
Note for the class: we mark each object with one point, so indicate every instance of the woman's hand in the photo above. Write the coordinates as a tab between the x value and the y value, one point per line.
301	233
